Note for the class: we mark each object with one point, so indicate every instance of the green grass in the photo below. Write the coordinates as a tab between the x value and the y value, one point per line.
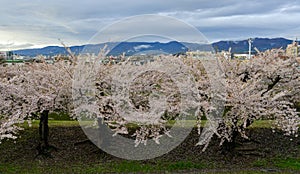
53	123
133	167
120	167
279	162
189	123
261	163
9	168
262	124
288	163
138	166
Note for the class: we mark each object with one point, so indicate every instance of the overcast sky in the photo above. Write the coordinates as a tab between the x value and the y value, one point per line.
37	23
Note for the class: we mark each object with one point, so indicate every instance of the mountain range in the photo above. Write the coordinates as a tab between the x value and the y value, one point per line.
132	48
262	44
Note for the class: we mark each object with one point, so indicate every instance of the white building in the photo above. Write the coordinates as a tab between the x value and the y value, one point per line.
6	55
293	49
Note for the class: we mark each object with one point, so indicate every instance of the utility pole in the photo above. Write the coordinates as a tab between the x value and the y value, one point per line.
250	44
296	47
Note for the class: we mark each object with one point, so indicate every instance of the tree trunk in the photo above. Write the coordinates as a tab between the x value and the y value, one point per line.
44	129
229	146
43	146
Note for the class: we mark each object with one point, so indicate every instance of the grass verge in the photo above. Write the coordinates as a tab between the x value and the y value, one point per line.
114	167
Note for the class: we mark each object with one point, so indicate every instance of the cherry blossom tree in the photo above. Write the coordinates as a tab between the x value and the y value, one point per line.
151	93
265	87
33	90
14	103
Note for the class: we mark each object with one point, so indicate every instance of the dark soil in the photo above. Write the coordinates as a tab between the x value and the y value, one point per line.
266	145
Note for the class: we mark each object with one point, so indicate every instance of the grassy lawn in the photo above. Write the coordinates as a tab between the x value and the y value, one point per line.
122	167
292	164
19	156
139	167
189	123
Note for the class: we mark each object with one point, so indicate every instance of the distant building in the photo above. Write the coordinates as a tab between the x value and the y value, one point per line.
200	54
241	56
6	55
293	49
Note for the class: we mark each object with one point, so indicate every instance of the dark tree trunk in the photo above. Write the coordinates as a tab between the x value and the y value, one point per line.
43	146
229	146
44	129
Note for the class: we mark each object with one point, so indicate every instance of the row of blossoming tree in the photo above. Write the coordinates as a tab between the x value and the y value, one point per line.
31	91
265	87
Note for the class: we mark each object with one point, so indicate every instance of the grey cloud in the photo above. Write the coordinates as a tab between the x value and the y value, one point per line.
13	46
43	22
